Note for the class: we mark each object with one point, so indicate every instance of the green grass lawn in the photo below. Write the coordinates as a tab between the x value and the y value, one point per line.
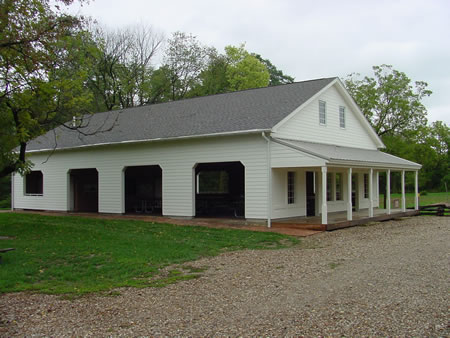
76	255
429	198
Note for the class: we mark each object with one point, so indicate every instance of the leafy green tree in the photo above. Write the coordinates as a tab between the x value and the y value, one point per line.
237	69
428	146
245	70
393	105
41	74
389	101
277	77
121	75
184	59
213	80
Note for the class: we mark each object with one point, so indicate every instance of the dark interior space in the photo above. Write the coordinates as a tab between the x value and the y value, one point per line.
143	189
34	183
220	189
310	194
84	185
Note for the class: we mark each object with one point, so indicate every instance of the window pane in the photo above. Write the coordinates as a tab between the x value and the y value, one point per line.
342	117
291	187
366	185
322	112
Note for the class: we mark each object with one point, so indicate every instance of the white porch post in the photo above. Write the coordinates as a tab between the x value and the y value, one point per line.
12	191
371	192
388	191
403	192
349	195
416	188
324	196
269	181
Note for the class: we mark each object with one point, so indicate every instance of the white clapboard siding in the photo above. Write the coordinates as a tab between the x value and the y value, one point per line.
305	125
177	160
285	157
280	206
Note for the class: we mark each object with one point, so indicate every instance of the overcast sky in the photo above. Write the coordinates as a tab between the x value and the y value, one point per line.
310	39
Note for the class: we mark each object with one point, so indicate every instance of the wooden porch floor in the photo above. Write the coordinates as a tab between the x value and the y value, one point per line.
338	220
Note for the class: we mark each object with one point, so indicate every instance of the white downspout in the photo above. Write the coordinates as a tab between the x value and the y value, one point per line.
269	181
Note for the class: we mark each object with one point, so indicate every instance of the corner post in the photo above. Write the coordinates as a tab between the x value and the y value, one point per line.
349	195
388	191
269	181
416	189
12	191
371	192
324	196
403	192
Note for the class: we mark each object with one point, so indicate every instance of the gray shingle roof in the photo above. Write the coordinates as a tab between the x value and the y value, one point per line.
340	154
254	109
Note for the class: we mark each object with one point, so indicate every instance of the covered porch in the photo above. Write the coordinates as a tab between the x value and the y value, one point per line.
341	188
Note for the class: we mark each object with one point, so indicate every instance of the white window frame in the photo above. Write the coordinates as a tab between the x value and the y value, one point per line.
342	117
322	114
290	187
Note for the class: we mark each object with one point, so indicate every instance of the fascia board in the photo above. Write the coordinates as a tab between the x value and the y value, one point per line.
378	165
243	132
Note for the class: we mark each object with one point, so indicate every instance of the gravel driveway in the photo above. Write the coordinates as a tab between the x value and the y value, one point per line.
387	279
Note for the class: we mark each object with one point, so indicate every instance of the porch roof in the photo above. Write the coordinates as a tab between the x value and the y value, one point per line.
348	156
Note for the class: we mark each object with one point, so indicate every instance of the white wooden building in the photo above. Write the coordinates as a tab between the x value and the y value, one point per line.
269	153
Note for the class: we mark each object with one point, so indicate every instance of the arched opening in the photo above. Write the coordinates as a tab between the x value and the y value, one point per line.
220	189
143	189
84	190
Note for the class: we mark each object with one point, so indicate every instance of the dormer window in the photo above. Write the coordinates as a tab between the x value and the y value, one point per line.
322	112
342	117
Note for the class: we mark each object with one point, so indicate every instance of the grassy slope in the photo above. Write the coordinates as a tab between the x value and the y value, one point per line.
63	254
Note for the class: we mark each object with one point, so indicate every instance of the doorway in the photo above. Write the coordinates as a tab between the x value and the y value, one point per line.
143	189
84	190
310	194
355	192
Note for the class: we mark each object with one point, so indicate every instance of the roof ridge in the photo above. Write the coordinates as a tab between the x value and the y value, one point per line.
217	94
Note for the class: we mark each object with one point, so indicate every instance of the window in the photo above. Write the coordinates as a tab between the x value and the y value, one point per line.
329	186
291	187
366	185
34	183
322	112
339	187
342	117
212	182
